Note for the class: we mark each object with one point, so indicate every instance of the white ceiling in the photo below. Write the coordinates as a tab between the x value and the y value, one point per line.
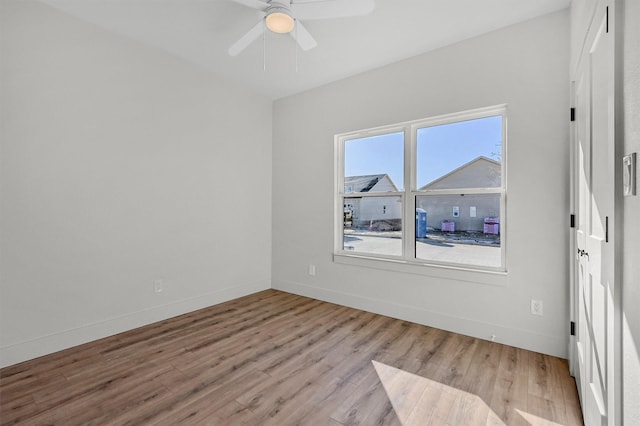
201	31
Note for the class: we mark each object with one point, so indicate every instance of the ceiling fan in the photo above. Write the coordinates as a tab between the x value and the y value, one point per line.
282	16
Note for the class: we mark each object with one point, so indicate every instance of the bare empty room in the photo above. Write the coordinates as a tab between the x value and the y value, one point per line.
334	212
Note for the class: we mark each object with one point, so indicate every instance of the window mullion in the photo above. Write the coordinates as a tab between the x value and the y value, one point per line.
409	231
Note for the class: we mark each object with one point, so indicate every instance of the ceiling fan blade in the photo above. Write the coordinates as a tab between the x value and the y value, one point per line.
303	37
325	9
254	4
247	39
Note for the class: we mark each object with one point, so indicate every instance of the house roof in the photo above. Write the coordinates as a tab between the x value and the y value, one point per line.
479	172
365	183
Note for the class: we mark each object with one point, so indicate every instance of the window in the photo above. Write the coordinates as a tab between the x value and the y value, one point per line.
427	192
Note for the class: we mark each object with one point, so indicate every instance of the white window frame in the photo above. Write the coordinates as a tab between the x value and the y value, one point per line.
407	262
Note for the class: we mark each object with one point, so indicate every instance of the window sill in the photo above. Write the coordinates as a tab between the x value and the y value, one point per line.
456	273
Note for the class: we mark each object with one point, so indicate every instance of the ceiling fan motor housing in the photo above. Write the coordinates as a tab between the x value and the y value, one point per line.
282	16
279	20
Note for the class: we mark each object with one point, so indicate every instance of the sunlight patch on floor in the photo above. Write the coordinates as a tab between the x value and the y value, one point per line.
421	401
535	420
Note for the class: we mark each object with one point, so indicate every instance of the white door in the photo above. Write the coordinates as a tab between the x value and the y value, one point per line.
594	94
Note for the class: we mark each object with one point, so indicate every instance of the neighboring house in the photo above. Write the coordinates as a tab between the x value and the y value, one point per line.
467	211
379	213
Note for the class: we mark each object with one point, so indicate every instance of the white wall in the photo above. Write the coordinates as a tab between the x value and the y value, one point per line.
525	66
120	165
631	227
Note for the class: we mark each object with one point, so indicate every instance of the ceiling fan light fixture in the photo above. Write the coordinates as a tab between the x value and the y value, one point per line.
279	20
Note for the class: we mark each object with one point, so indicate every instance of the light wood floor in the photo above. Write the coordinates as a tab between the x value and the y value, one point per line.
274	358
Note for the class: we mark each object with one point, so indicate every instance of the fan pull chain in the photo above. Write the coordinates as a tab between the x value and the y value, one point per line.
264	46
295	47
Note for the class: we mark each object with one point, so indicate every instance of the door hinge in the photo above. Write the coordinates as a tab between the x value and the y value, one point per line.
607	18
573	114
573	221
573	328
606	229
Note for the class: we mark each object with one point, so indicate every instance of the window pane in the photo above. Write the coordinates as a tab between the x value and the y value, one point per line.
373	225
374	164
466	154
462	229
459	203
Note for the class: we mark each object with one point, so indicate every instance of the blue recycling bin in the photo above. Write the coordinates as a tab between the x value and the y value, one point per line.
421	223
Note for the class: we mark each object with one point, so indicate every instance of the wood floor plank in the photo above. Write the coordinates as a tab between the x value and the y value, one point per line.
274	358
324	396
368	404
355	363
510	394
18	408
452	371
469	410
570	396
440	345
480	377
423	410
541	380
212	405
271	400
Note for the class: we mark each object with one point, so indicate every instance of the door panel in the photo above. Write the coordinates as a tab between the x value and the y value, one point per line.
594	203
583	151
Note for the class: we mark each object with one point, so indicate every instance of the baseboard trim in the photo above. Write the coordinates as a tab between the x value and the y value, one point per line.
524	339
24	351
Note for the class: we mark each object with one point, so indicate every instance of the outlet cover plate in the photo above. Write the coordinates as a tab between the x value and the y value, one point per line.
537	307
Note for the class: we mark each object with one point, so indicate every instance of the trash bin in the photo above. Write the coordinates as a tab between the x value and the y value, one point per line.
491	225
448	226
421	223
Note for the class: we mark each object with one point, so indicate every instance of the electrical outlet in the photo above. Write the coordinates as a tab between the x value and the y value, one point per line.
158	286
312	269
536	307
